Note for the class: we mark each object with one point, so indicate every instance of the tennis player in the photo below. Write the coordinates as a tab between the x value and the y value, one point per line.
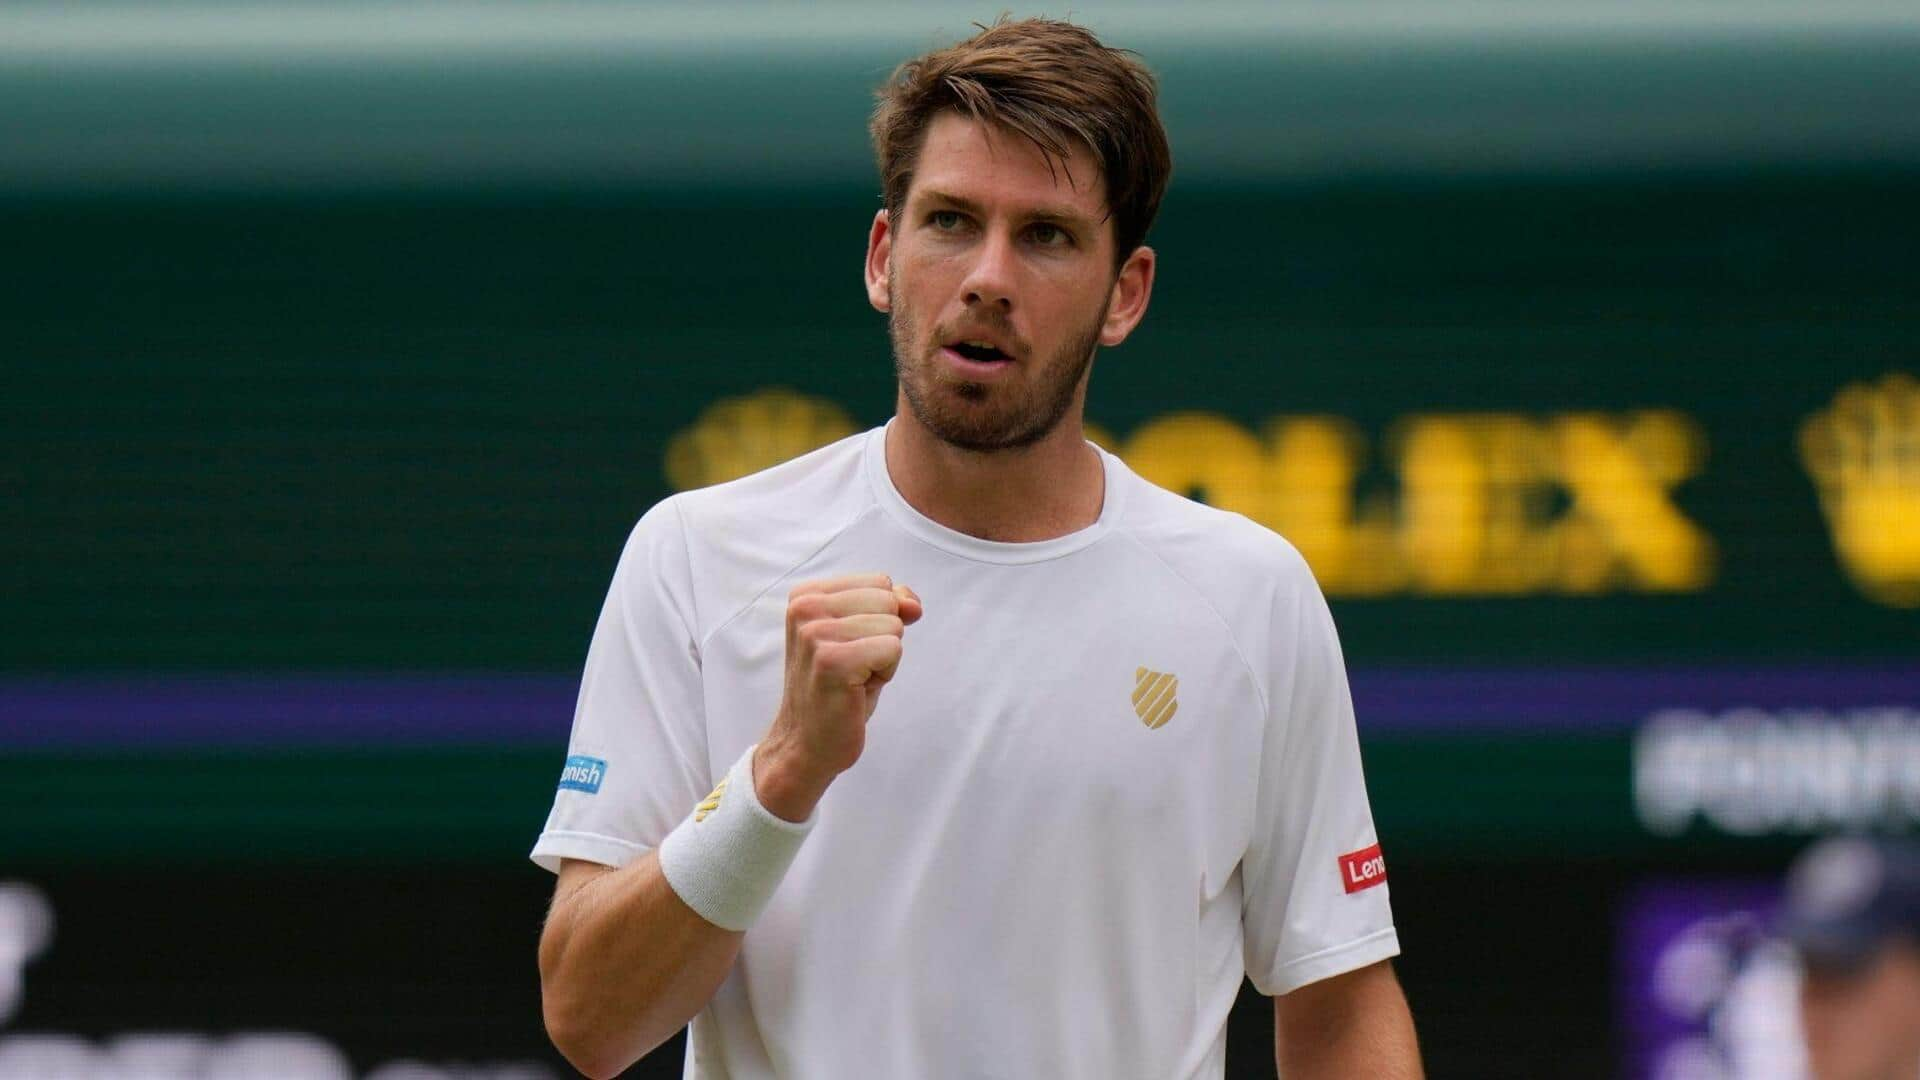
954	748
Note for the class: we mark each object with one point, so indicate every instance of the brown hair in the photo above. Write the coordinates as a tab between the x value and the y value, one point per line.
1049	81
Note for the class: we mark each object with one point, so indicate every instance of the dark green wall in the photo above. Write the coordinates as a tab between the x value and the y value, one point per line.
409	432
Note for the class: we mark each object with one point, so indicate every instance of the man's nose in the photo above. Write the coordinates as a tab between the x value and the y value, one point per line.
990	279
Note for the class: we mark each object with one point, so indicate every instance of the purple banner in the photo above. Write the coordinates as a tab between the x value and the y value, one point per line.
242	710
348	709
1702	990
1608	700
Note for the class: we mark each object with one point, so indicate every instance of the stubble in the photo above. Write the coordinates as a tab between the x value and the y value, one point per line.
987	417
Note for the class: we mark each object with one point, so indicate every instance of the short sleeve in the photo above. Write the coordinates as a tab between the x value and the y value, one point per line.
1315	894
636	760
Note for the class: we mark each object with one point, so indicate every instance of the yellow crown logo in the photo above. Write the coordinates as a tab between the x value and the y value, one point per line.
737	437
1863	452
711	803
1153	697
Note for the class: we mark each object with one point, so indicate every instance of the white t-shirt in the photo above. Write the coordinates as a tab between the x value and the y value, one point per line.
1032	870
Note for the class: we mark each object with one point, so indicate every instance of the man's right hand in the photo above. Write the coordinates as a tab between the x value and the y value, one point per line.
843	645
624	962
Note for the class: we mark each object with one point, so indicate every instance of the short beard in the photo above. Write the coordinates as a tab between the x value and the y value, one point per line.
1026	423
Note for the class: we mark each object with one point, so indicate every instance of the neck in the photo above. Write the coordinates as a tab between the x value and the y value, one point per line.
1054	487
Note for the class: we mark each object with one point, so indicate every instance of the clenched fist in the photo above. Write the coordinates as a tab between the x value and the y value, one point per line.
844	640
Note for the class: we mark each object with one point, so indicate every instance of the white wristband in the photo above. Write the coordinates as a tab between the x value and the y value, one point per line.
730	853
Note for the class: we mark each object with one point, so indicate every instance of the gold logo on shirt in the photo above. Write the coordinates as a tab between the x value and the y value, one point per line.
712	802
1153	696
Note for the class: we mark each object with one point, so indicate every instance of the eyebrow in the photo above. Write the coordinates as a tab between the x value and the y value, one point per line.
1049	214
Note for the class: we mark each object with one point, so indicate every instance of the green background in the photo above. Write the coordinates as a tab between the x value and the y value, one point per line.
399	433
357	351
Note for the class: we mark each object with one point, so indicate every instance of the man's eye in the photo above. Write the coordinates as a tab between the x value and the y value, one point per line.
1051	236
945	220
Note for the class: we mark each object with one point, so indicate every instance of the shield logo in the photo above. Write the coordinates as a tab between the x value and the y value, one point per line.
1153	696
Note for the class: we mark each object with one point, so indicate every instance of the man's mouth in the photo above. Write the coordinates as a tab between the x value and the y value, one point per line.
980	352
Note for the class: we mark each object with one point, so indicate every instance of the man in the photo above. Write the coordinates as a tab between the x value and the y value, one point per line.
1116	771
1852	912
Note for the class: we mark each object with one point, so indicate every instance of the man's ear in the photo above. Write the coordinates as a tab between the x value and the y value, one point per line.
1128	303
879	246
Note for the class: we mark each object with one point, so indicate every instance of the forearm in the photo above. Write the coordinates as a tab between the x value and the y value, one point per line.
625	964
1376	1051
1355	1024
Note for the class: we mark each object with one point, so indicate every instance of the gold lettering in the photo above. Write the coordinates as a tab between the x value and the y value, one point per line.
1204	456
1623	529
1474	514
1443	488
1313	466
1473	493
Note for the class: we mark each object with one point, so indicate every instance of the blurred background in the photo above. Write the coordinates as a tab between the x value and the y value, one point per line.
1573	342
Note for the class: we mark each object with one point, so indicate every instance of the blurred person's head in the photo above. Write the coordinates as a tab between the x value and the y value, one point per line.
1021	170
1853	915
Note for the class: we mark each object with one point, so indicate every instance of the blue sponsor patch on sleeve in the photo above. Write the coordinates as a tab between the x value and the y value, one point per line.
583	774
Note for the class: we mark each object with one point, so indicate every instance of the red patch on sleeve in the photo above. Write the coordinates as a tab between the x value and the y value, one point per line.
1363	869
